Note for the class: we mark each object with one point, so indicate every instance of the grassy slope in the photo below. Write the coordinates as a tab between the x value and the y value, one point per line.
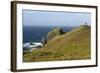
70	46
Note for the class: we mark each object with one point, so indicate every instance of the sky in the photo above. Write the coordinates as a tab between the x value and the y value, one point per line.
55	18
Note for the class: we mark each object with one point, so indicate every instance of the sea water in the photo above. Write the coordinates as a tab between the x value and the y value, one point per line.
36	33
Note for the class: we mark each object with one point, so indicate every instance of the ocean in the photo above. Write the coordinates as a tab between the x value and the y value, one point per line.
36	33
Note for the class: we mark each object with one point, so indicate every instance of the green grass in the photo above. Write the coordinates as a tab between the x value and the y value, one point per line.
73	45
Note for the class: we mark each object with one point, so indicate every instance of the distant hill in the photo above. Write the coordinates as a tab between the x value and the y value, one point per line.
51	34
73	45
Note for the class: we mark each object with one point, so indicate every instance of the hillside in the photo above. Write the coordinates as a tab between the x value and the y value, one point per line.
73	45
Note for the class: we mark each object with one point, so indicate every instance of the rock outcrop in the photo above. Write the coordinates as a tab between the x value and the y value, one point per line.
51	34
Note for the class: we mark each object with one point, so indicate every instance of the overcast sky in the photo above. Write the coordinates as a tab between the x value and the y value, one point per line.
51	18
